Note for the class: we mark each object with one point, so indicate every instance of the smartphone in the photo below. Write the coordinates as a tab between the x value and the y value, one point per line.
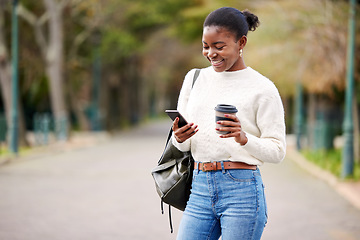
173	114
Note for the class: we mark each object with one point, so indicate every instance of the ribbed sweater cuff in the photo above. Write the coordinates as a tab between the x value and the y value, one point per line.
184	146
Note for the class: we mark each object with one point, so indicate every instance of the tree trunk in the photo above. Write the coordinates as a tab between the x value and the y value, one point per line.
54	66
5	82
83	122
5	71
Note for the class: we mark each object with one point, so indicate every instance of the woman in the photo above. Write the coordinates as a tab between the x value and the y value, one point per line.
227	197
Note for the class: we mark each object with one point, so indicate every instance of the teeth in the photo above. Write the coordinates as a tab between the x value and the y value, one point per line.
216	62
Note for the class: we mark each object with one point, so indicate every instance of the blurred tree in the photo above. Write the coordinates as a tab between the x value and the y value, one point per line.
51	44
127	46
310	33
148	46
5	67
85	20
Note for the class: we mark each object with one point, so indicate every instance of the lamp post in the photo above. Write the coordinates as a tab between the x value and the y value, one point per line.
95	109
299	114
348	126
14	129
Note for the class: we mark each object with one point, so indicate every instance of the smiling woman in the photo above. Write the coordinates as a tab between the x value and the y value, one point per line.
227	197
224	41
221	49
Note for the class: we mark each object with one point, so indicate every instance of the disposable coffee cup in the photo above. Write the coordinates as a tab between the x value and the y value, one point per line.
220	111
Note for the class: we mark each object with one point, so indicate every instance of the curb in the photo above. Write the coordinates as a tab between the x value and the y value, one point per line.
348	190
4	161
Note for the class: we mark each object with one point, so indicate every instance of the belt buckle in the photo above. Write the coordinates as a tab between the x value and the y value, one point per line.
207	167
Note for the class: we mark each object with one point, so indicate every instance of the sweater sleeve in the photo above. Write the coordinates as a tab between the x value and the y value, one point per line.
270	146
182	108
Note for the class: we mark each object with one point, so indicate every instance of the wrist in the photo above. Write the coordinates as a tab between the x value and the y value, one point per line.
244	142
178	140
243	139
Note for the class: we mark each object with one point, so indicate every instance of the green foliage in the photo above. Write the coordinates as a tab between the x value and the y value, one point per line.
141	17
188	25
117	44
38	91
33	5
331	161
153	43
132	25
300	41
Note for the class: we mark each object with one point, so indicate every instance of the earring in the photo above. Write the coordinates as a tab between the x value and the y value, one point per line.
241	52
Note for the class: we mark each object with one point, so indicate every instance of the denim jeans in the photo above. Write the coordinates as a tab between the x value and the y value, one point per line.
227	203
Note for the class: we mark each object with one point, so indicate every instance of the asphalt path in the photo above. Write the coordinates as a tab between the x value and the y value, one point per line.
106	192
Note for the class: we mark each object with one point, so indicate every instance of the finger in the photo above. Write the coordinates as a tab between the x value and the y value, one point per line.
186	127
186	132
230	135
192	130
183	129
183	136
229	123
175	124
193	133
229	129
233	117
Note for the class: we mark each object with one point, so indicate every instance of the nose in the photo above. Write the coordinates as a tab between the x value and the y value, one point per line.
210	53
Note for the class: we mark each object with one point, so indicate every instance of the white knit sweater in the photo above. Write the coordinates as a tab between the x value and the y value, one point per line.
260	112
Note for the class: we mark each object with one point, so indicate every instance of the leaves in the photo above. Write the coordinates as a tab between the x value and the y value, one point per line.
303	41
149	45
119	44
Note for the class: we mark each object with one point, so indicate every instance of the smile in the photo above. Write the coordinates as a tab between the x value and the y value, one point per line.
216	63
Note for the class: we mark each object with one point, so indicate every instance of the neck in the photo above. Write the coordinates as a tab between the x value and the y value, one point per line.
241	65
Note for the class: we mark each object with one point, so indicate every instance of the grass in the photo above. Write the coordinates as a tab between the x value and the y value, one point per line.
5	151
330	160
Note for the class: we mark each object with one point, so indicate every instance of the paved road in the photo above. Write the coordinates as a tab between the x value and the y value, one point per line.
106	192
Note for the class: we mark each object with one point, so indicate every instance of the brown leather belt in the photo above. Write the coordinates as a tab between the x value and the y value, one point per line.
214	166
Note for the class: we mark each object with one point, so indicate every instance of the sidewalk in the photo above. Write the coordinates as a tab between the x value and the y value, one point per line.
347	189
103	190
77	140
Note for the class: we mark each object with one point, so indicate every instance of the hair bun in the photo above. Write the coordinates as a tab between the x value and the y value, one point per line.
251	19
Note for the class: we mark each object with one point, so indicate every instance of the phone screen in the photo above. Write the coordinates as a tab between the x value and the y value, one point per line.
173	114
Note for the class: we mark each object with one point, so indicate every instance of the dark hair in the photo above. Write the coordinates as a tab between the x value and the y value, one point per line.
233	20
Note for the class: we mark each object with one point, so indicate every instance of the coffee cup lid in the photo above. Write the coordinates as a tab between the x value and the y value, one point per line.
226	108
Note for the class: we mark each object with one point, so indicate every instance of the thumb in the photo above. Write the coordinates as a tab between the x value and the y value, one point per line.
176	123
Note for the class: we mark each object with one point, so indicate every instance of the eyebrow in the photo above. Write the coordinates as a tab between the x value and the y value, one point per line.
214	43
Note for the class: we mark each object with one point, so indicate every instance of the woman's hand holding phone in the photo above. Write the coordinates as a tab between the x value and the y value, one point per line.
183	133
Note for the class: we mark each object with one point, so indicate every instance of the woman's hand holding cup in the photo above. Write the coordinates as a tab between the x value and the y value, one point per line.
185	132
233	129
228	124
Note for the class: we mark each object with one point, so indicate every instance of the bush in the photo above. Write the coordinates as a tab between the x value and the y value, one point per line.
330	160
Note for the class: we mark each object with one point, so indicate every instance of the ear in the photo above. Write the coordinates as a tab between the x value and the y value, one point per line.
242	42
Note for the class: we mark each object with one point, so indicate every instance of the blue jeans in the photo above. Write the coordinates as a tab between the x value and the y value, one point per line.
227	203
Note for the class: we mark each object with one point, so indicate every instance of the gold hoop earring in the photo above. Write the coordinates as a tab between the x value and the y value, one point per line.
241	53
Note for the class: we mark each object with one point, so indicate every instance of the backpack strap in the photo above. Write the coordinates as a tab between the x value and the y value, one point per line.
196	75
